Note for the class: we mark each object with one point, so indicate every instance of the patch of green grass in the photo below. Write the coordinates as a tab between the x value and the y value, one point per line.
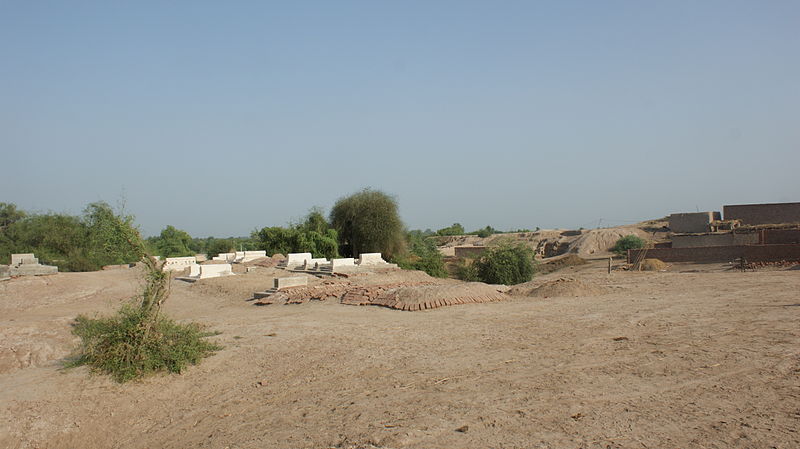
132	344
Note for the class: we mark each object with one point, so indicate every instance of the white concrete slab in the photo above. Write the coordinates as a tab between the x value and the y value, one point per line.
371	259
297	259
178	263
293	281
344	263
216	270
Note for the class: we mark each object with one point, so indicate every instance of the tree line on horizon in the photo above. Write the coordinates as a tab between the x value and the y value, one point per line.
364	222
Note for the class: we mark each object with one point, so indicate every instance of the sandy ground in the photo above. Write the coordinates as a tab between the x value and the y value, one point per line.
661	360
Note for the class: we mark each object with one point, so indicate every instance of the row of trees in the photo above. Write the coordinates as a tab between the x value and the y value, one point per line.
364	222
98	237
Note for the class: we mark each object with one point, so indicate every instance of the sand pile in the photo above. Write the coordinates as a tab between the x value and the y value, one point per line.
267	262
559	262
598	242
562	287
433	296
653	265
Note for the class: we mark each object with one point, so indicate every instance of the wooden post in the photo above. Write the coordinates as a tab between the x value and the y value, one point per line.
609	264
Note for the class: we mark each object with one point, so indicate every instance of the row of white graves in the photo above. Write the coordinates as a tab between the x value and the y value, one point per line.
305	262
240	256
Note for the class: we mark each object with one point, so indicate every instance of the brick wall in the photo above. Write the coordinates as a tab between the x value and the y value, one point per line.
752	253
756	214
778	236
722	239
692	222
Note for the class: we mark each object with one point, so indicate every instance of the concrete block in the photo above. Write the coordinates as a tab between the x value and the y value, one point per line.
178	263
371	259
27	269
345	263
224	257
194	270
19	259
293	281
297	259
253	255
216	270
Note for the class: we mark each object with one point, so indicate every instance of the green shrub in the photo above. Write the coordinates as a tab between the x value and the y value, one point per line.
485	232
506	264
131	344
73	243
368	222
422	255
313	235
213	247
467	271
628	242
172	242
456	229
138	340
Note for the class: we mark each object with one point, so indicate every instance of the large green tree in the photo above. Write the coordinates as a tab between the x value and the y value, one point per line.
367	222
172	242
312	235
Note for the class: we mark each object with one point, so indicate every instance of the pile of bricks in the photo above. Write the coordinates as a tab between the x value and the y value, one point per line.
365	296
331	289
391	300
779	264
398	295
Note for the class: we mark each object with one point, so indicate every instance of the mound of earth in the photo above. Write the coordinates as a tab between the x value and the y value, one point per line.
422	297
598	242
559	262
653	265
562	287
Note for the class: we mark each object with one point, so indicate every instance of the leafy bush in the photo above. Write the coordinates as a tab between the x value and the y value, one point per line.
456	229
213	247
73	243
368	222
485	232
112	238
506	264
313	235
628	242
132	344
172	242
138	341
422	255
466	270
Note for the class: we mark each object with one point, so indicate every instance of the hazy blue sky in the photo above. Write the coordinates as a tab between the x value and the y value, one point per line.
221	117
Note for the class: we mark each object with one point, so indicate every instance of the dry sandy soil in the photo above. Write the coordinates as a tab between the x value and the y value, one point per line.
658	360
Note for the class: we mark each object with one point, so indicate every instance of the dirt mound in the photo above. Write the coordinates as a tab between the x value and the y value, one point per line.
598	242
570	260
433	296
267	262
562	287
653	265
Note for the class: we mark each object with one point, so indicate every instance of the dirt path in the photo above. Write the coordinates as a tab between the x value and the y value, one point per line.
683	360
